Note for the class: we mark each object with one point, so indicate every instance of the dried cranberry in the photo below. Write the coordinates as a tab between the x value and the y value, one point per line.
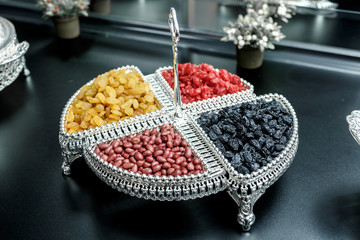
203	82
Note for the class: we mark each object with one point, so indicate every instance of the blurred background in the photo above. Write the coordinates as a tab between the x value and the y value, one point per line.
316	22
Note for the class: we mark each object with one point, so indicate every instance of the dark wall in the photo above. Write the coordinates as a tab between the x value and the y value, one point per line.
353	5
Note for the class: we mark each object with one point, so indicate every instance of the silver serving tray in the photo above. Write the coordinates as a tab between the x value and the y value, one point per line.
72	144
246	94
12	60
218	175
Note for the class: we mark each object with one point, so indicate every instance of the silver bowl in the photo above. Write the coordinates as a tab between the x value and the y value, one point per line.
12	60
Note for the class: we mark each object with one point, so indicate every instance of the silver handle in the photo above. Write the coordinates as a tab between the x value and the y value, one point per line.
175	35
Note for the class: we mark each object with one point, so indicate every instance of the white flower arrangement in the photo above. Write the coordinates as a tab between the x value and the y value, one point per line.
63	8
257	28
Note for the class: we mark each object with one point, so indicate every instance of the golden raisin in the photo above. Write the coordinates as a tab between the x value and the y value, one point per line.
113	96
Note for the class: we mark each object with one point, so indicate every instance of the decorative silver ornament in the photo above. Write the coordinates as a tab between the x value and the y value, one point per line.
218	175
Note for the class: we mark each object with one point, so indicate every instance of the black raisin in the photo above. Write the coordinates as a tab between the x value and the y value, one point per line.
236	160
220	146
262	140
224	113
214	118
229	154
269	143
250	113
216	129
266	128
280	122
246	121
252	124
256	156
265	152
249	135
255	143
243	170
213	136
279	147
234	144
254	166
265	121
278	134
241	128
287	120
267	116
240	143
229	128
246	146
247	157
263	161
206	129
224	138
289	131
204	120
274	153
237	117
272	123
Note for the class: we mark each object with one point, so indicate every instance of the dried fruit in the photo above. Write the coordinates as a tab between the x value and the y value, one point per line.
249	135
113	96
203	82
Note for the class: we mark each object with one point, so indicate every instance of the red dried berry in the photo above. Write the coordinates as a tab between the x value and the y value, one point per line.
203	82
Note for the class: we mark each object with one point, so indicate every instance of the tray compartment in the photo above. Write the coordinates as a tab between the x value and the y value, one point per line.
246	94
169	188
246	189
71	144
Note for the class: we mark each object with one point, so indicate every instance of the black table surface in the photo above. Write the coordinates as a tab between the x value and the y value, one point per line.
318	197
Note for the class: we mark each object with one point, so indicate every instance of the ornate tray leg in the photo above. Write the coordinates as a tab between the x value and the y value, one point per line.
245	201
70	150
68	159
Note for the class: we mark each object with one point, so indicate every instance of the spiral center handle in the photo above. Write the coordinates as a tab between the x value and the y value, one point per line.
174	26
175	35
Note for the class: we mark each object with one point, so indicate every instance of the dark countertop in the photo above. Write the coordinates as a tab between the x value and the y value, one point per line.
317	198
